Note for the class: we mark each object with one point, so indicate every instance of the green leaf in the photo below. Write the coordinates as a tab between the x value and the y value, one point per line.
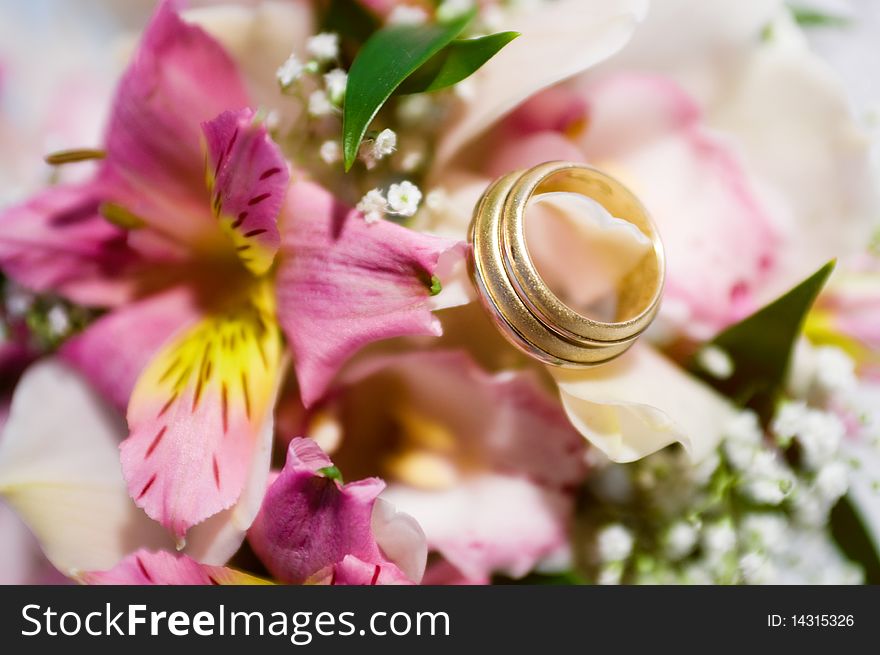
806	17
760	346
349	19
534	578
389	56
457	61
853	539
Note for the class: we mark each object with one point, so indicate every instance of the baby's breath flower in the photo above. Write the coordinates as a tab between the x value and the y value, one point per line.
452	9
319	103
835	370
719	538
404	198
407	15
373	206
832	481
716	362
384	144
335	82
289	72
820	437
323	46
614	543
58	321
765	531
680	540
330	152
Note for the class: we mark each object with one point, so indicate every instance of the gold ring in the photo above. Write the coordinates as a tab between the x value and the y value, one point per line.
528	313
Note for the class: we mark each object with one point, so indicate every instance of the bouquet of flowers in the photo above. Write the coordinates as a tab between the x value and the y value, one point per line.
242	344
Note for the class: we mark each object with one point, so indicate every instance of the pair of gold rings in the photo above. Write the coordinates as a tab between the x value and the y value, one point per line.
523	306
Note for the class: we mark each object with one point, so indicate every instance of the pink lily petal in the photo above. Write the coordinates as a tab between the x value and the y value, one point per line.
485	463
179	78
248	179
114	350
356	572
57	241
196	414
162	568
721	243
343	284
310	521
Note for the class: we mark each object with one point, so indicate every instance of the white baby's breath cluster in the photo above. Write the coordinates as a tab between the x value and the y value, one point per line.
402	199
756	512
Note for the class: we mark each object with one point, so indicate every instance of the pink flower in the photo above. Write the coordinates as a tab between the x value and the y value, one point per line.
161	568
202	279
312	527
487	464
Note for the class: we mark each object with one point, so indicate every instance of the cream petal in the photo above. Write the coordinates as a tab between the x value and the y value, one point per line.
59	470
798	134
401	539
558	40
640	403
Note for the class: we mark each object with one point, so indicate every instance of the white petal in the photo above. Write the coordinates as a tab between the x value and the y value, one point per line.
640	403
700	44
792	117
59	470
401	538
558	40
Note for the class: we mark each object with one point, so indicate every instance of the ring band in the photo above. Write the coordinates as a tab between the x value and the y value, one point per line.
529	314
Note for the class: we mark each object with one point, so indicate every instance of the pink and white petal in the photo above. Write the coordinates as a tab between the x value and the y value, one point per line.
196	416
704	57
557	42
216	540
179	78
794	120
145	567
502	422
343	284
401	539
640	403
490	522
721	242
58	242
59	470
356	572
248	178
114	350
310	521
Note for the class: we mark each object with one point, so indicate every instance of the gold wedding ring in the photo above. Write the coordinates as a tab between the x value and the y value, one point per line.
529	314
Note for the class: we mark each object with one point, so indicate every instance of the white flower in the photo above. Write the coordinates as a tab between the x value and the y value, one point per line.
614	543
835	370
373	206
766	531
335	82
18	301
404	198
319	104
680	540
330	152
766	480
324	46
716	362
407	15
832	481
58	321
756	569
452	9
820	437
384	144
743	438
437	199
789	420
719	538
289	72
